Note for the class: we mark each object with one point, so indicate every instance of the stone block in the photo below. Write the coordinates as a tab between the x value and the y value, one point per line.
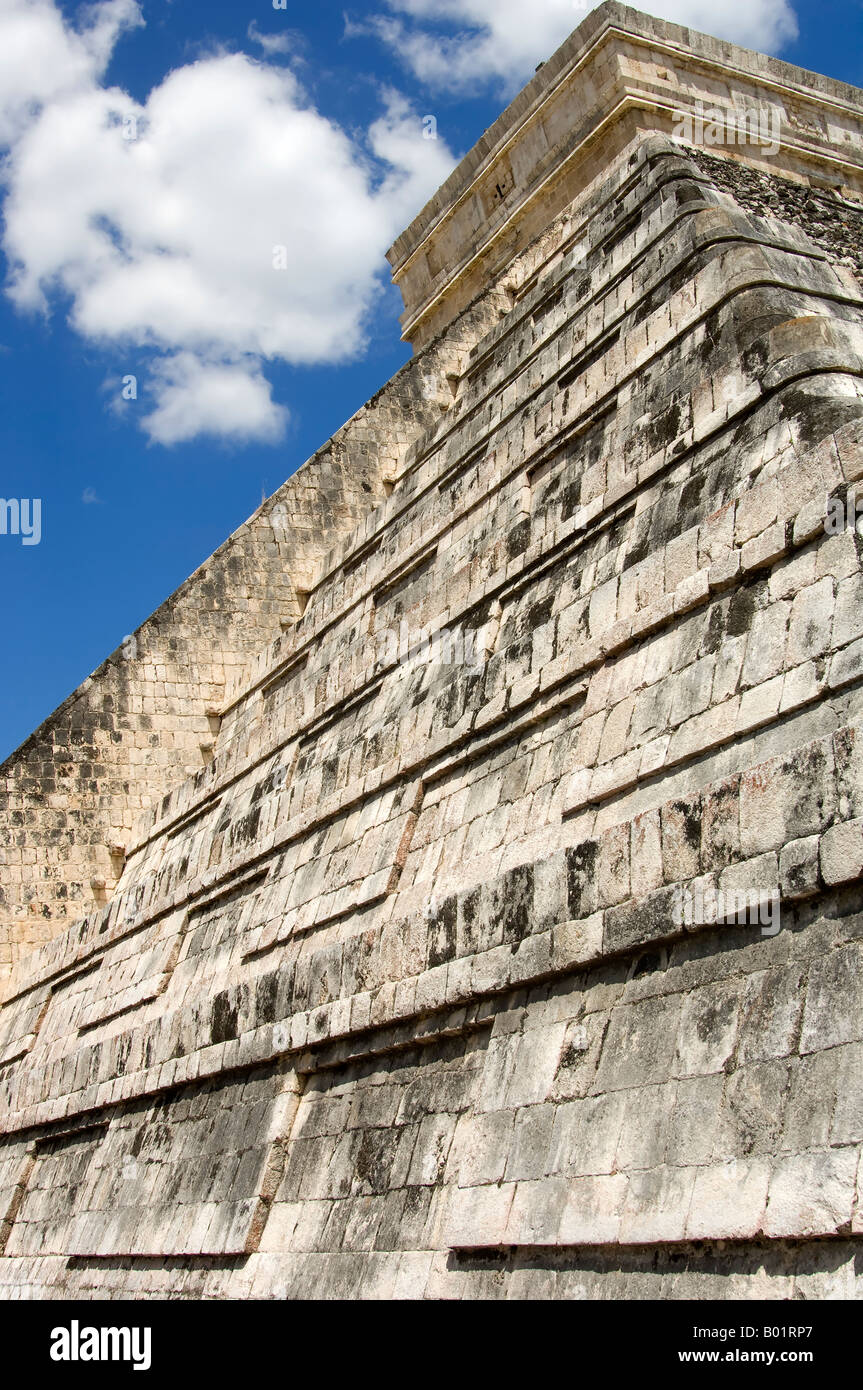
846	1069
593	1210
846	666
848	617
799	868
639	1044
613	867
527	1154
681	839
536	1212
729	1200
656	1207
646	852
586	1135
842	853
694	1120
811	624
720	824
650	918
577	943
765	647
812	1194
849	443
478	1216
765	549
848	754
550	905
752	1110
770	1012
787	798
756	510
707	1031
834	999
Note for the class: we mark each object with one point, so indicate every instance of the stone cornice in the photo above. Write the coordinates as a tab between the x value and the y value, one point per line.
619	72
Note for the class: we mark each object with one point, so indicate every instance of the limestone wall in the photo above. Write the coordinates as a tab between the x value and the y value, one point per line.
413	991
148	718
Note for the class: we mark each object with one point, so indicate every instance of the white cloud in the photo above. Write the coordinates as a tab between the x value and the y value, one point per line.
165	241
460	45
285	42
229	400
43	60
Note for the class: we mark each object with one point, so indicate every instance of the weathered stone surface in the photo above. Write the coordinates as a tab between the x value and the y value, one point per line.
842	853
525	696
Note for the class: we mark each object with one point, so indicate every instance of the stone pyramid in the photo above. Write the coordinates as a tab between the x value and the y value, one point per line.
454	890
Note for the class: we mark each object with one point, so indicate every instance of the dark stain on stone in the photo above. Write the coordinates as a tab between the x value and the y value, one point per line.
223	1018
442	933
580	878
742	609
266	990
518	539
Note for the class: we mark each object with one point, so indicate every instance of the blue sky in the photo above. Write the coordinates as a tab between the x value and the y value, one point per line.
154	155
